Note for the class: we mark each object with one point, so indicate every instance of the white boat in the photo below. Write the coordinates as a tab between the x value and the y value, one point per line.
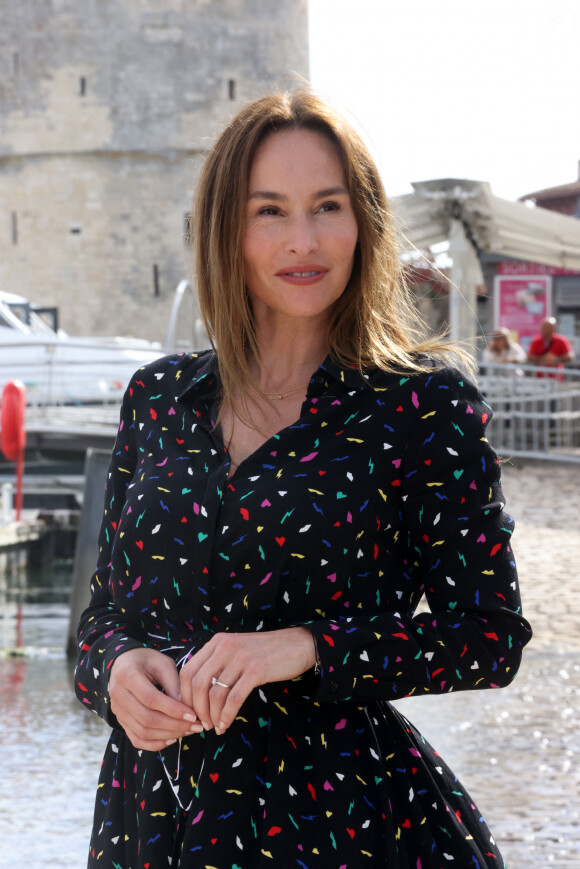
59	369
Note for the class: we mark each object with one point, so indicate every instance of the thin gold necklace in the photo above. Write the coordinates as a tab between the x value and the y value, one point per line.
278	396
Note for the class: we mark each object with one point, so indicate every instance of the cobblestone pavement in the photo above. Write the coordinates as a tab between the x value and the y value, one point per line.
517	751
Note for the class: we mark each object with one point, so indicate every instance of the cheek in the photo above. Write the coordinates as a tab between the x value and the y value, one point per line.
248	251
251	259
346	244
349	234
257	250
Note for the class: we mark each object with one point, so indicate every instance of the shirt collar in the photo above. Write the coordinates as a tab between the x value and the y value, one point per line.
206	377
349	378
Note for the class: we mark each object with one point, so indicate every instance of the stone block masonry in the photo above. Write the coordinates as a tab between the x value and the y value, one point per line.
106	112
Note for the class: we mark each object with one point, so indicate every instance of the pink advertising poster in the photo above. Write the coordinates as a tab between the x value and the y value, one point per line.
521	303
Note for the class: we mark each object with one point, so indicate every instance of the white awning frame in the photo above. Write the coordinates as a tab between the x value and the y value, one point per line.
495	225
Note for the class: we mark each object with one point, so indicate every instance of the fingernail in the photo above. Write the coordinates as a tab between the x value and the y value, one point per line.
197	728
206	726
190	716
221	728
170	742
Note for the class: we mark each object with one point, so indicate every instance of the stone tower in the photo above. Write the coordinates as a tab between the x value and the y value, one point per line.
106	110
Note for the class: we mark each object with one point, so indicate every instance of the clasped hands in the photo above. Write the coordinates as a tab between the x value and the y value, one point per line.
156	705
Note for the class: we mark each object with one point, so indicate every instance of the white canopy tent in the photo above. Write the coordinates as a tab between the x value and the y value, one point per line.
467	213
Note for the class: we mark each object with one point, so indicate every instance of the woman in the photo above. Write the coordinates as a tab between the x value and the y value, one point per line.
503	349
274	512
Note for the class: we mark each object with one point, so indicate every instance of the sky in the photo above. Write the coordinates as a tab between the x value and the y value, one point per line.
456	88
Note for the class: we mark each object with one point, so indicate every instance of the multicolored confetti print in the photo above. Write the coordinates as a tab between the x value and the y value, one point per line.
383	490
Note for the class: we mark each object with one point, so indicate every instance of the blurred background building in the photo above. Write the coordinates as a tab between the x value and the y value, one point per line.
560	284
106	110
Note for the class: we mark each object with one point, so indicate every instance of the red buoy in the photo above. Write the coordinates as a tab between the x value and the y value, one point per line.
13	432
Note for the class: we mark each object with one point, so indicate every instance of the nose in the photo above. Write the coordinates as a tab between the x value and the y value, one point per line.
302	236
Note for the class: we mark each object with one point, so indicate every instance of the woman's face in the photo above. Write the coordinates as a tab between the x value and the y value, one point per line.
301	231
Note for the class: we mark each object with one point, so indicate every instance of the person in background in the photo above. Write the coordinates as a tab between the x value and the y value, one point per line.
275	510
503	349
549	348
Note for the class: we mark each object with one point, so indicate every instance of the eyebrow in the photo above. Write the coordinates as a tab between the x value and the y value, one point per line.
280	197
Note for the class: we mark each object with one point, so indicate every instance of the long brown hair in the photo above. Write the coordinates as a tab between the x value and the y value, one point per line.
375	323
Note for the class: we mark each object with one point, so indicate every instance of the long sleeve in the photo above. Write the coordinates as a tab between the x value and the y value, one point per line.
459	551
106	629
104	632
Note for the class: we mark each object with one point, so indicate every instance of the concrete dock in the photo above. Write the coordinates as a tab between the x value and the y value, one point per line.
16	541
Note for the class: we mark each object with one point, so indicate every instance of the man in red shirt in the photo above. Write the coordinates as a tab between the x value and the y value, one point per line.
548	348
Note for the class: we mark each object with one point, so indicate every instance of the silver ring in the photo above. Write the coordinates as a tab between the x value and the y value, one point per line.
216	681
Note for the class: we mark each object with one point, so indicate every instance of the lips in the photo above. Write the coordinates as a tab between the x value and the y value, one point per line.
306	271
302	275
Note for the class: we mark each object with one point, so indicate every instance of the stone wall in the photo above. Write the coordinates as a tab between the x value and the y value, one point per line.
106	110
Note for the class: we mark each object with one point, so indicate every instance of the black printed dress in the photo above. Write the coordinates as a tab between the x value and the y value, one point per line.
383	490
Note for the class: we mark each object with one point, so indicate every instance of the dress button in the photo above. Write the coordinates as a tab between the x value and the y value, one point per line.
334	686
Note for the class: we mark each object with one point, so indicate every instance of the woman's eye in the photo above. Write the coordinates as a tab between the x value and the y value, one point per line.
328	206
269	209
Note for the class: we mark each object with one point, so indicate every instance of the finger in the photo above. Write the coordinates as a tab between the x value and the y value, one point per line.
218	695
200	686
151	678
145	689
227	710
146	721
147	705
225	703
208	697
144	728
201	656
149	744
224	665
196	684
185	689
164	673
191	670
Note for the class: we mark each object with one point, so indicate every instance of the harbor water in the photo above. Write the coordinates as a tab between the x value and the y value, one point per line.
517	750
50	748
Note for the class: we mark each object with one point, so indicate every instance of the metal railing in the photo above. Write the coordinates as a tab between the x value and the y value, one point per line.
73	370
71	429
98	416
536	410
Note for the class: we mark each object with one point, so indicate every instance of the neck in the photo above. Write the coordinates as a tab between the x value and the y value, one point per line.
288	358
